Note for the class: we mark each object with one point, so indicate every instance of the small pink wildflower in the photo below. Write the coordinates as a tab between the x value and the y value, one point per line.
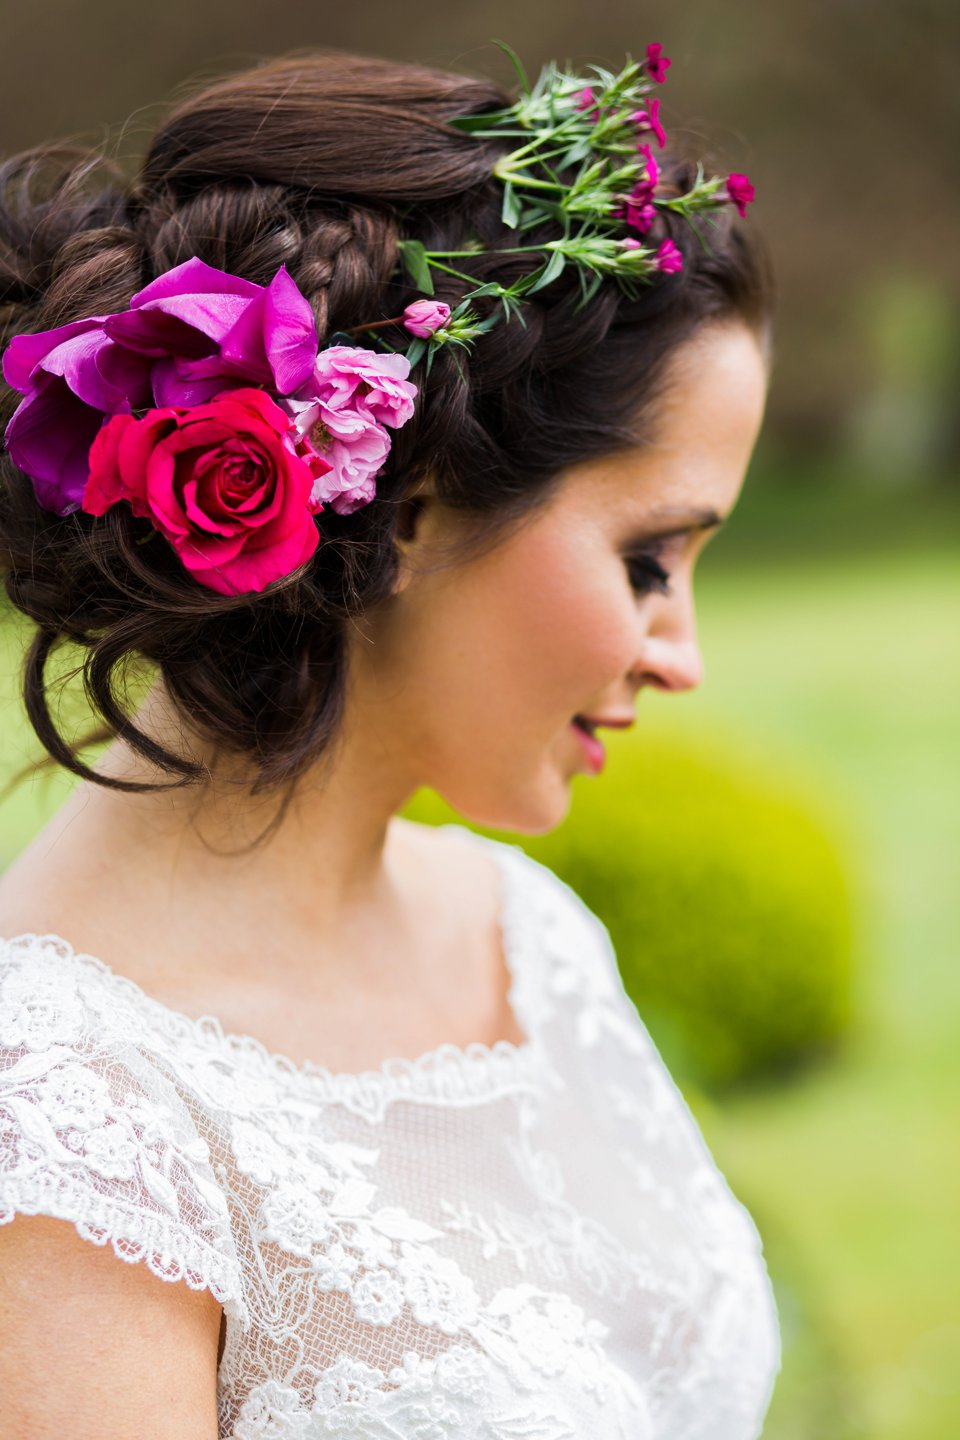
740	192
657	63
638	210
425	317
668	258
585	99
653	169
631	244
649	119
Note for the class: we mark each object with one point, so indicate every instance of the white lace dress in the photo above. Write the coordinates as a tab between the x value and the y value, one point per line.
507	1242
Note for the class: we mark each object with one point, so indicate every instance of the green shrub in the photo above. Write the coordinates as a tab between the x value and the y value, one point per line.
725	900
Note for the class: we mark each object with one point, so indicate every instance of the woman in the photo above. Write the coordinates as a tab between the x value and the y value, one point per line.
349	583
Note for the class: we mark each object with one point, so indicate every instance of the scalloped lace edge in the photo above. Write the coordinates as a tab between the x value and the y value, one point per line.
134	1238
452	1073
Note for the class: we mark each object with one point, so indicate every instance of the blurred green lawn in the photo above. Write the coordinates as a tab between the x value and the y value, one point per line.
839	662
847	669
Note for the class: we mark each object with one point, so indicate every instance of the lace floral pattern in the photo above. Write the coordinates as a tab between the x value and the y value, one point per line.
506	1242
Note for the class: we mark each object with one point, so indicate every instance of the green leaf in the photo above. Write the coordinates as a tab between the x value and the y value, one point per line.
578	151
510	211
550	208
415	350
512	310
489	120
551	270
492	287
517	64
589	289
528	282
414	257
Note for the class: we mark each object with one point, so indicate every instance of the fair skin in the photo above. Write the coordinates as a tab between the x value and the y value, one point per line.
465	680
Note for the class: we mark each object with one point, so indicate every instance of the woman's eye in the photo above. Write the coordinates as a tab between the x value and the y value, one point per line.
647	575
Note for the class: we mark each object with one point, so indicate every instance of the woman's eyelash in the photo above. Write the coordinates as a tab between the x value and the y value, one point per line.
647	575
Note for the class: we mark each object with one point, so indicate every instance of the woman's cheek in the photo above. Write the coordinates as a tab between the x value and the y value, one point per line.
581	636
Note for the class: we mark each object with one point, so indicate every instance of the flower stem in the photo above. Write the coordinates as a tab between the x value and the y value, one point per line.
374	325
519	178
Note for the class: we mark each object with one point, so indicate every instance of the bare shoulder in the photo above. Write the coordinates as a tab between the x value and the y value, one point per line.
455	867
60	890
91	1345
51	894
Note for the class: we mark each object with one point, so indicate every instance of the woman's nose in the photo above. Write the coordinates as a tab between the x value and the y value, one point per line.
669	655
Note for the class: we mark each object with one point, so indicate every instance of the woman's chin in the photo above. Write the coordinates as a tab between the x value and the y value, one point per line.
532	811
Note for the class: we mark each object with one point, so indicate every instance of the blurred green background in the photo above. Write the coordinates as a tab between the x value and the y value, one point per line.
801	811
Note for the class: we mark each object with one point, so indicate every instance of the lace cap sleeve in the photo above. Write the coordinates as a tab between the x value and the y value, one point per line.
93	1131
581	962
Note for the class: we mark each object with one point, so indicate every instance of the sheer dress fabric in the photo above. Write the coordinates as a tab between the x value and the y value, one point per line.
511	1242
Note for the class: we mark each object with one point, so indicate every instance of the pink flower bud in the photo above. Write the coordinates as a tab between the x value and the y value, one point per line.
668	258
652	168
649	119
585	100
740	192
657	63
424	317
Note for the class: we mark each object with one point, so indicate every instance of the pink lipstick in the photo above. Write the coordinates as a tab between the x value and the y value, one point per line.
592	748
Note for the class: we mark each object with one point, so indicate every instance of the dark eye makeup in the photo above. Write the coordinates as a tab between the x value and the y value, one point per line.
647	574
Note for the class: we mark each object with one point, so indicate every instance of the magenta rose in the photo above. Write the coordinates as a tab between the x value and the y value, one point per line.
189	335
228	483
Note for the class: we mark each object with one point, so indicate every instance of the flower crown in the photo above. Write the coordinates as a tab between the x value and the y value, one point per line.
208	406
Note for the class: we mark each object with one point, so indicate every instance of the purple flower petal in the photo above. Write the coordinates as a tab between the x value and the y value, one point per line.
186	311
49	438
157	334
100	372
25	352
182	383
274	341
194	277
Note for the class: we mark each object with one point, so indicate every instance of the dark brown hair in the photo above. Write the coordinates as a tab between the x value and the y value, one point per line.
321	163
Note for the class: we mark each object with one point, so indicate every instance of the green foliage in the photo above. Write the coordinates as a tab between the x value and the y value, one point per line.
725	902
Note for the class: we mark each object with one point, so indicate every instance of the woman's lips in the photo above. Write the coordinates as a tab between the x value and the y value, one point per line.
592	748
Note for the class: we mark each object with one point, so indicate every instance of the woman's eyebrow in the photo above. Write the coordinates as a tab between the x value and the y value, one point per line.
696	519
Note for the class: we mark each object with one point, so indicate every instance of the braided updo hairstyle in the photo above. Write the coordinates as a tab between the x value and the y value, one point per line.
319	163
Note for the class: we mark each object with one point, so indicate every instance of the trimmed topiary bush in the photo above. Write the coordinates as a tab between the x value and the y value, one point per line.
725	899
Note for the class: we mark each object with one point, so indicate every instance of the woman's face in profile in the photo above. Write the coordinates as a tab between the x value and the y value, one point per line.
471	676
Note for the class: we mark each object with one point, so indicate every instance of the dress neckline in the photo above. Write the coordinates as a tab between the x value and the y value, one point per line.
459	1074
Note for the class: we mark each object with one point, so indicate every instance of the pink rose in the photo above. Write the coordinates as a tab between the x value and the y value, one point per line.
424	317
228	483
740	191
354	447
363	380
